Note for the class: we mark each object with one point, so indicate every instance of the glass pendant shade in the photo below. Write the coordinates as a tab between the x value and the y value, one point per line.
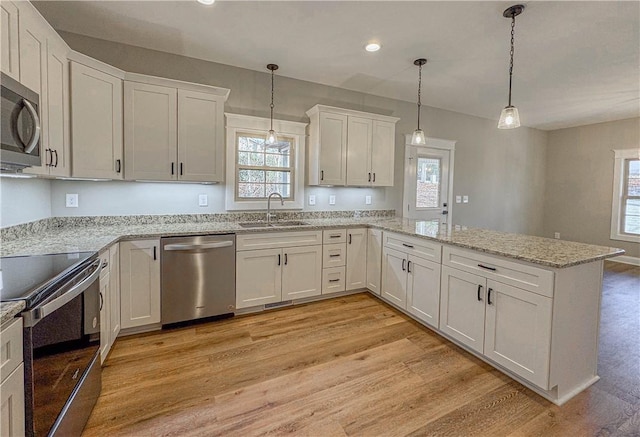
509	118
272	138
418	139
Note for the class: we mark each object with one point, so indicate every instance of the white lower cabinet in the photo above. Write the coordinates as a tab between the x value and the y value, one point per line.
288	268
139	283
508	325
114	292
105	314
12	380
356	272
394	277
374	259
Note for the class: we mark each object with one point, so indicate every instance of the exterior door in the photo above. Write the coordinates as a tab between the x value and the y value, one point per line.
423	290
394	277
428	182
258	277
302	272
356	259
462	309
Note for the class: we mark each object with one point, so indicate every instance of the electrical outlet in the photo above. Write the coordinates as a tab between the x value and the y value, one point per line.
332	200
556	235
465	199
72	201
367	200
458	199
312	199
203	200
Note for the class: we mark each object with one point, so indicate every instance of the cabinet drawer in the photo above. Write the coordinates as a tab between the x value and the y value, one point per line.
508	272
270	240
334	236
10	347
413	246
334	255
333	280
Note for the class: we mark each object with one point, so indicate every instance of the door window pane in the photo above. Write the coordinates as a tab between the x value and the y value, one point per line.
428	183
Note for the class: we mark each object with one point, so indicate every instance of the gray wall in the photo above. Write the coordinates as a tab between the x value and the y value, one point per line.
24	200
580	181
501	171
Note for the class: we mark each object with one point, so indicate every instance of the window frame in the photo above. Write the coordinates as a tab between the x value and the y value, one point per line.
620	181
245	124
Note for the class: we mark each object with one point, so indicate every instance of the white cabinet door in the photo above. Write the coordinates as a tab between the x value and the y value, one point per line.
383	149
58	107
33	50
359	134
518	331
356	259
333	280
139	283
12	402
150	132
114	292
462	307
200	137
394	277
105	316
10	62
301	272
374	259
333	149
423	290
96	123
258	277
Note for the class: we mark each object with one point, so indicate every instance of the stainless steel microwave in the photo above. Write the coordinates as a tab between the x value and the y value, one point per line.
20	128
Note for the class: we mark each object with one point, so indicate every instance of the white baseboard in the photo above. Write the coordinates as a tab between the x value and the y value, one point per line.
624	259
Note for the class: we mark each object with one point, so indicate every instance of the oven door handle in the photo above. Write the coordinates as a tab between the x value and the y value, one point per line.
217	245
33	316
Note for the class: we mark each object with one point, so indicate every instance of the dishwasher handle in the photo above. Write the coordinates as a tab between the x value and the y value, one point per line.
216	245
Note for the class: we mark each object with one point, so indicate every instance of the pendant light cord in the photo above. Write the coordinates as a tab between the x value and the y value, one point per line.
513	26
419	92
272	98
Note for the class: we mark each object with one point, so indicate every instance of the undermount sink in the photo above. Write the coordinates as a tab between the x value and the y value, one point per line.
272	224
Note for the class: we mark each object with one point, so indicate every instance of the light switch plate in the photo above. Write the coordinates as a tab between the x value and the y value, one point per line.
556	235
203	200
332	200
72	201
458	199
465	199
312	199
367	200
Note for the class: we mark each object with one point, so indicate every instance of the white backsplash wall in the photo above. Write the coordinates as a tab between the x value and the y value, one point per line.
24	200
131	198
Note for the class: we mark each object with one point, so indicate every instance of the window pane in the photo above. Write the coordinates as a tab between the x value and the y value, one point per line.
283	189
250	144
250	176
278	177
632	217
633	172
428	183
247	190
273	160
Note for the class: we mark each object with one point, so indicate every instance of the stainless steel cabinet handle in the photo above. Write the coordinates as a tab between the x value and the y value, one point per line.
198	246
36	131
33	316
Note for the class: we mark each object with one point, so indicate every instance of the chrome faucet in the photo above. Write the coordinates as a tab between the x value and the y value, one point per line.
269	205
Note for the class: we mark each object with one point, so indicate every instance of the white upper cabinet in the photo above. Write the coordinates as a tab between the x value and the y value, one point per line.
33	50
96	120
58	108
10	61
150	131
350	148
200	137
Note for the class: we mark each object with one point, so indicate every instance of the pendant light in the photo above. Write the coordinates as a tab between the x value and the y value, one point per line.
418	139
271	138
509	118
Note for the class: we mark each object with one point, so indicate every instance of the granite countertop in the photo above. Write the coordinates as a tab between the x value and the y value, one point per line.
8	310
537	250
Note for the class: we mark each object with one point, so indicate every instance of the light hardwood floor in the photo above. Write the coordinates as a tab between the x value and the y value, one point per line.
355	366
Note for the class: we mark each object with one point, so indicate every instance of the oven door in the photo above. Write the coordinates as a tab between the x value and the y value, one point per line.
62	342
20	129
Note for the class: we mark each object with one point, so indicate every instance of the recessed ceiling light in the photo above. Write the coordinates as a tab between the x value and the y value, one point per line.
206	2
372	47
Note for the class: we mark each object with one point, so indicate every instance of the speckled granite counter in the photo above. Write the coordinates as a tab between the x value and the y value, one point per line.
8	310
543	251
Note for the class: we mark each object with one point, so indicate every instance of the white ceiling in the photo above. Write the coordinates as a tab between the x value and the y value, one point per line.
575	62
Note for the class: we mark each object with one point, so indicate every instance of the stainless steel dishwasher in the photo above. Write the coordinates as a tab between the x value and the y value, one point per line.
198	277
